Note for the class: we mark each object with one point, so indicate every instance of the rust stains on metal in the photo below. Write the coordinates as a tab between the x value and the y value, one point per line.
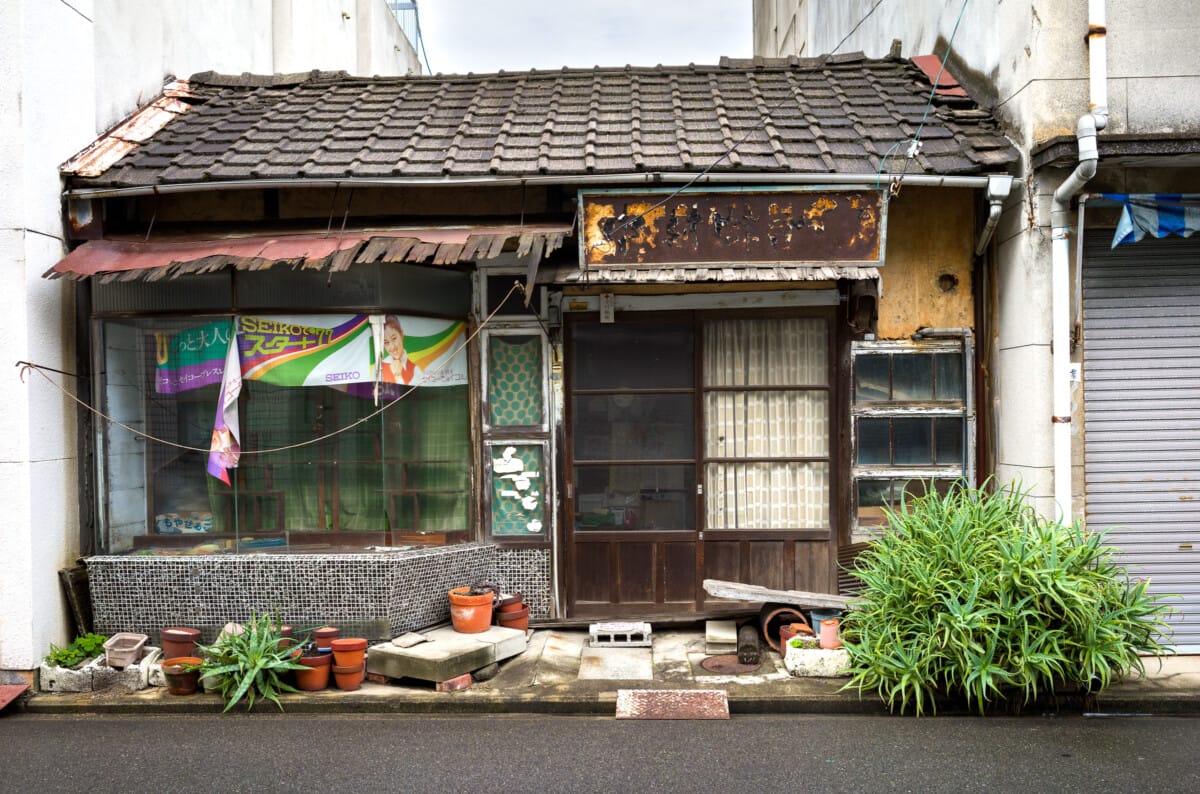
140	126
131	260
836	227
672	704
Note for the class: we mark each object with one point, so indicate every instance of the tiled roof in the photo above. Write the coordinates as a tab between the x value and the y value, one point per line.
838	115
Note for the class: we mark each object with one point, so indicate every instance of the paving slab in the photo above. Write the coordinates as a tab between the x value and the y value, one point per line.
670	655
616	664
447	654
561	658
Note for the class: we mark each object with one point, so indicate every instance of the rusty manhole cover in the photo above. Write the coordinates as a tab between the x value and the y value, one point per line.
727	664
672	704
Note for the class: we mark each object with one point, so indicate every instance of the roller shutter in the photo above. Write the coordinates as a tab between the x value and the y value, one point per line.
1141	391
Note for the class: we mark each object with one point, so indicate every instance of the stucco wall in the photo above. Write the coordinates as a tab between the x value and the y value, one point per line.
67	73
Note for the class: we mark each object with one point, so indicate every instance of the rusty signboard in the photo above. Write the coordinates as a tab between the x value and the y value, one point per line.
792	226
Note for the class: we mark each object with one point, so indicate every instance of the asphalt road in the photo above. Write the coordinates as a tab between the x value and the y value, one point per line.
777	754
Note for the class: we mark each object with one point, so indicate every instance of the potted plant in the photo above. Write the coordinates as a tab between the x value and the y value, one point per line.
250	664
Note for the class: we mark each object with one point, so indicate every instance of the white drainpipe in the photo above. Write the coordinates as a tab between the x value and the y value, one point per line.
1060	221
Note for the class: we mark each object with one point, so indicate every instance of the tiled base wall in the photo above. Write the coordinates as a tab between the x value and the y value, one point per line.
372	595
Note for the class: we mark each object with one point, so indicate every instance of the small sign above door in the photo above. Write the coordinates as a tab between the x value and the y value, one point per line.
734	226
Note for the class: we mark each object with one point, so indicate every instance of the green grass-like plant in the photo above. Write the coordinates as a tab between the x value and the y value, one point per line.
80	649
971	595
250	664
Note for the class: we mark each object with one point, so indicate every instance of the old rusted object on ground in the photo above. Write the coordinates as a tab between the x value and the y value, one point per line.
749	651
672	704
727	664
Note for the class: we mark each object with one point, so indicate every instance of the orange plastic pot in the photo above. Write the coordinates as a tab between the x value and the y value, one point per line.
349	651
514	620
325	635
348	677
470	614
315	676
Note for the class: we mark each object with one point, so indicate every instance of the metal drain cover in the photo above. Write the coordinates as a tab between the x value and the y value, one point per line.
672	704
727	664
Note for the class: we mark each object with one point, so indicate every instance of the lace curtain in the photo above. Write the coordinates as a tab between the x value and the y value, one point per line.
757	428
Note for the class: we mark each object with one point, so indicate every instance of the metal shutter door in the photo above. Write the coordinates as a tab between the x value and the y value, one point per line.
1141	391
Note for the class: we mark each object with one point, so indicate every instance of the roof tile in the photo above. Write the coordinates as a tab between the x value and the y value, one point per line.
800	115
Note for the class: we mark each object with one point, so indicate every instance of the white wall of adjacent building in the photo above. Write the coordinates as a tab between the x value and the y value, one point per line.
68	72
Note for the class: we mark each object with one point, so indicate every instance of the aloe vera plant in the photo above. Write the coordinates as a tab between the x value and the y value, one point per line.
250	664
972	595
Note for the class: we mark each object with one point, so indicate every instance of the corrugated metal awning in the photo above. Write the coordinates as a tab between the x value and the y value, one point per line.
131	260
733	272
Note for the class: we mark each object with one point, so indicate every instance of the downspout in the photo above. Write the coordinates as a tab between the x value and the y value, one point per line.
1060	222
998	188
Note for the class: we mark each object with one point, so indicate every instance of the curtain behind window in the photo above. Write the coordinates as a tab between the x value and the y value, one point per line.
761	412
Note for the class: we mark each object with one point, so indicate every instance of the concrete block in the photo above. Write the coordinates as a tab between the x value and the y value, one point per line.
720	637
456	684
66	679
616	664
817	662
620	635
447	654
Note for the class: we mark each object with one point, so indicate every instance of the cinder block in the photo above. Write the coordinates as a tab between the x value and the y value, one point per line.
455	684
620	635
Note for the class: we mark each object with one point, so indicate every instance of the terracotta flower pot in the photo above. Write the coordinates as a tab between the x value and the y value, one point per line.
514	620
180	680
324	636
316	676
178	641
349	651
510	603
348	677
790	630
470	614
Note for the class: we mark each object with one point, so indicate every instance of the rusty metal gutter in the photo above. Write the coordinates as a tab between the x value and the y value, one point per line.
633	179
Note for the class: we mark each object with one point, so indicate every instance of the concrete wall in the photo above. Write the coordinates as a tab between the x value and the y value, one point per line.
67	73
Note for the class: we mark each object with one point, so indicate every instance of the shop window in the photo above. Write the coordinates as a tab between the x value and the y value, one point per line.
913	424
337	473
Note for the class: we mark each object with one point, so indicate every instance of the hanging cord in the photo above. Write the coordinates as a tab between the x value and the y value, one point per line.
26	366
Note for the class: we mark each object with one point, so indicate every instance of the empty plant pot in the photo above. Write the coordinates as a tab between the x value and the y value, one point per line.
347	677
178	641
181	677
830	638
315	676
470	614
514	620
324	636
510	603
123	649
349	651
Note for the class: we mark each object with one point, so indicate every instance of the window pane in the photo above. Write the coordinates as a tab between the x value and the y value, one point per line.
766	495
914	440
406	470
912	377
634	427
635	497
873	496
949	368
949	432
766	352
515	380
766	424
641	355
874	441
872	373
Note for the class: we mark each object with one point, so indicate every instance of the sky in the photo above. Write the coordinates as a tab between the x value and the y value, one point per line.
516	35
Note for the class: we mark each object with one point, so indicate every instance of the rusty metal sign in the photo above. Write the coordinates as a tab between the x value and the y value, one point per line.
731	227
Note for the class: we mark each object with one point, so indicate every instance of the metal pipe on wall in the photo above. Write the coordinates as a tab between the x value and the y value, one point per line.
1060	255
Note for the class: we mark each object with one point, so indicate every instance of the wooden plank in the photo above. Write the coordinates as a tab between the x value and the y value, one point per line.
752	592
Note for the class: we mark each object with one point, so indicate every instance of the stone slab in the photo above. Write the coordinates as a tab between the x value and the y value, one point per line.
720	637
669	704
447	654
817	662
616	664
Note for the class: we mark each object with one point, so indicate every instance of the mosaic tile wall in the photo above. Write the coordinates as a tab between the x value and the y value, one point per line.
372	595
